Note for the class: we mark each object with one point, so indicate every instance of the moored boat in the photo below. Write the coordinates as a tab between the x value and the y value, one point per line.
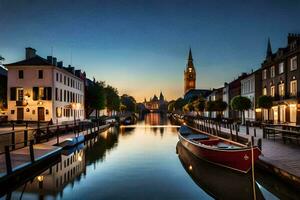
217	150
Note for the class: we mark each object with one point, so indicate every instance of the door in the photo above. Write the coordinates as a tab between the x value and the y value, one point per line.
41	114
293	113
20	114
275	113
282	113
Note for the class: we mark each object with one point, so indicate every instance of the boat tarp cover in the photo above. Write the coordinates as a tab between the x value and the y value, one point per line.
190	134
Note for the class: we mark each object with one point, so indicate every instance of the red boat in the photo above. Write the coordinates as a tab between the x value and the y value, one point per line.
217	150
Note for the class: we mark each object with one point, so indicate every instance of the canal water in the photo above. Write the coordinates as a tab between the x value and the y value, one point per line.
144	161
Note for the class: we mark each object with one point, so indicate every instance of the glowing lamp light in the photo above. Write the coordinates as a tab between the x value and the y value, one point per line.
79	158
190	167
40	103
40	178
258	110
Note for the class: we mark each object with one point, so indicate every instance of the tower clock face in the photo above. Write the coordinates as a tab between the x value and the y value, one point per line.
191	76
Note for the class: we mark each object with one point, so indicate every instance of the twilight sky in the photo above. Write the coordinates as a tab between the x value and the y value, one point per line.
141	47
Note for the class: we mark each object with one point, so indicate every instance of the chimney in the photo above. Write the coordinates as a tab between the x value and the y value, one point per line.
30	53
50	59
293	37
54	61
60	64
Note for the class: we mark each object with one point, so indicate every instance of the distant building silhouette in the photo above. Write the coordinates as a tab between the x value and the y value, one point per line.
156	104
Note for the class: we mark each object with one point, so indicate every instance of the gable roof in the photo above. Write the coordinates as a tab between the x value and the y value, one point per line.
37	60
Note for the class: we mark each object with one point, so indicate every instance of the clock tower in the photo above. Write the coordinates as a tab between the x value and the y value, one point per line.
189	74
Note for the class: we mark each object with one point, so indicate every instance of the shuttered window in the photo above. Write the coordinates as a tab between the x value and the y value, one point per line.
13	92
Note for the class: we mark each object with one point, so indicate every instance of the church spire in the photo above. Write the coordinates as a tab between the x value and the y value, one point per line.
269	49
190	55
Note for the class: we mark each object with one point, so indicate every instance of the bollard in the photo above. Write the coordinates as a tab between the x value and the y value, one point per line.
264	132
13	126
252	141
25	138
231	136
259	143
254	131
237	132
8	160
247	128
31	150
13	140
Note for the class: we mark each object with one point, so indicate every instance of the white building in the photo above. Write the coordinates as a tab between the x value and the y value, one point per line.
251	88
44	90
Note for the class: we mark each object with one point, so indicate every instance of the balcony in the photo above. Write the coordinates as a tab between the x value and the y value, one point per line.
21	103
286	96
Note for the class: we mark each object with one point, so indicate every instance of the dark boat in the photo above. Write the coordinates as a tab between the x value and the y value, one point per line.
220	183
217	150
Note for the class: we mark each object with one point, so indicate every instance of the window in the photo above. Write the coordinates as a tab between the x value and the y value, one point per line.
264	91
41	74
264	74
281	68
68	81
293	88
60	78
57	77
272	72
281	89
20	94
65	95
273	91
294	63
21	74
41	93
65	80
56	94
58	111
60	95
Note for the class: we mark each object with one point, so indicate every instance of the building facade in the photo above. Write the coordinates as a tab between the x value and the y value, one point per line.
280	79
189	74
43	90
3	87
251	88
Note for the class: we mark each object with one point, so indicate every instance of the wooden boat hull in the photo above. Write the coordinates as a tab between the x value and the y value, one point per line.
236	159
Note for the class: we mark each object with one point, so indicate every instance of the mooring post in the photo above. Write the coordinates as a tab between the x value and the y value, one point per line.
230	127
247	128
254	131
252	140
259	143
237	132
25	138
7	160
264	132
31	150
13	140
13	126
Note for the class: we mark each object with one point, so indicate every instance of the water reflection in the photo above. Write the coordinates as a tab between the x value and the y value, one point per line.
140	162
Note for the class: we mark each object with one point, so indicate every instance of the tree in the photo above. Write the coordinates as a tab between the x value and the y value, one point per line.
179	103
241	104
112	98
220	106
265	102
129	102
95	98
199	105
210	106
171	106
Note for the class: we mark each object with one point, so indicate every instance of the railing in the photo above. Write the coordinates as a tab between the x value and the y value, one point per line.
16	138
8	156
